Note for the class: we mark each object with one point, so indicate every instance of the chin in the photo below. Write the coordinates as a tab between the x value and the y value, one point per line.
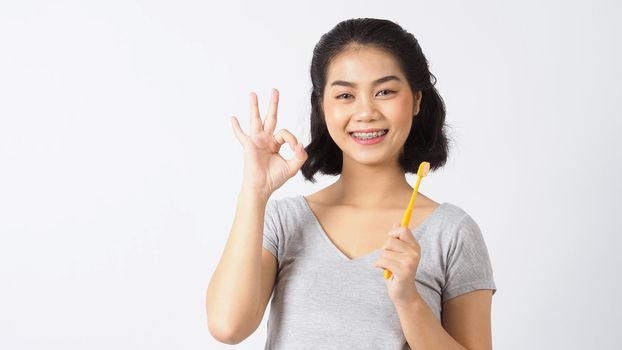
370	157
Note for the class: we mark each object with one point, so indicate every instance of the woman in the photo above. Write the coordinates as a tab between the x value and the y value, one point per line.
375	117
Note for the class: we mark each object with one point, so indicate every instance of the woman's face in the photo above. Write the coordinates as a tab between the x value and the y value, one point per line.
365	89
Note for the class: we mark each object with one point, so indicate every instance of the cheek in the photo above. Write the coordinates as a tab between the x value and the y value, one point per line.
401	111
334	127
336	120
402	116
336	131
404	129
401	128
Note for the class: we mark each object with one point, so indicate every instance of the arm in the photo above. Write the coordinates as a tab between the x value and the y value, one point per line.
465	325
233	295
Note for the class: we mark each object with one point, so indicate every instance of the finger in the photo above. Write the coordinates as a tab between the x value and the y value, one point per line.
300	157
400	262
402	233
256	124
285	136
270	121
394	256
396	245
237	130
395	261
389	264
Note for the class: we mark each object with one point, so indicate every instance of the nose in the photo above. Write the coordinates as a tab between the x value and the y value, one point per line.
366	109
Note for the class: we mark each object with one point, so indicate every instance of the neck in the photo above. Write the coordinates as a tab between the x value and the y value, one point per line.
372	186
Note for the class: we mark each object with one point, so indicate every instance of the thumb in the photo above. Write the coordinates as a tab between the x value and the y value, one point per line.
393	233
300	157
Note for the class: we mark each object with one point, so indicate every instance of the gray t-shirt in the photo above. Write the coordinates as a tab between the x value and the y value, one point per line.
324	300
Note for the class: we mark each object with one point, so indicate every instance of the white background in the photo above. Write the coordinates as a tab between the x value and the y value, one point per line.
119	169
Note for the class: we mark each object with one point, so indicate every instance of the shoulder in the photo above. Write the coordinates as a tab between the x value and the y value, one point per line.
453	214
286	207
284	202
463	231
460	217
458	224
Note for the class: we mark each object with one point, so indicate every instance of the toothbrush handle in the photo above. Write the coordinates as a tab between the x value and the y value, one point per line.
406	219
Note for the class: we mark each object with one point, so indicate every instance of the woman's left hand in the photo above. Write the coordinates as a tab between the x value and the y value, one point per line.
400	254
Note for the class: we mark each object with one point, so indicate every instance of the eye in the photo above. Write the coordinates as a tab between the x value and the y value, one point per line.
346	94
391	91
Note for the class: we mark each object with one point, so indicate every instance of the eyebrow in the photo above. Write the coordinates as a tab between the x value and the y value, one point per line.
375	82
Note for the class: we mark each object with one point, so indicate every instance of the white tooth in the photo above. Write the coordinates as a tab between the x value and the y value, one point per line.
369	135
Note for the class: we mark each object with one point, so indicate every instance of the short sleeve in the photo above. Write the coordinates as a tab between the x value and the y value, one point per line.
271	228
468	263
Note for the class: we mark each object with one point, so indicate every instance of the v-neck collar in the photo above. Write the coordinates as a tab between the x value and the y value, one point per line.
370	254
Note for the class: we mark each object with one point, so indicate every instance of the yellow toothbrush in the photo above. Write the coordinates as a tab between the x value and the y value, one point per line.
424	167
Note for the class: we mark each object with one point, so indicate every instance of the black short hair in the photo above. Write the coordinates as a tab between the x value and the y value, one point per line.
426	141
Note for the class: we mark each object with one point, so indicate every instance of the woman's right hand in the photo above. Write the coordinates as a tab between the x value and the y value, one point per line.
265	170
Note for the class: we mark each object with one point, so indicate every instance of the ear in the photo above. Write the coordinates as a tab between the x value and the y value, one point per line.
417	103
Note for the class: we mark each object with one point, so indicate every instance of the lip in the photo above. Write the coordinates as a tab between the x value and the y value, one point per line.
369	141
366	130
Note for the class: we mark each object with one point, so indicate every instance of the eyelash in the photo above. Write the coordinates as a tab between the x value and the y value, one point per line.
391	91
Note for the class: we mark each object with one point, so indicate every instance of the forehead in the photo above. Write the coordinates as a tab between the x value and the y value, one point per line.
362	64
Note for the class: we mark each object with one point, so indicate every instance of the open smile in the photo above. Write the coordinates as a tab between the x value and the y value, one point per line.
369	138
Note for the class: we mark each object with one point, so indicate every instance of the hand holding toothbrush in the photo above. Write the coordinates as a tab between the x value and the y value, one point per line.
401	252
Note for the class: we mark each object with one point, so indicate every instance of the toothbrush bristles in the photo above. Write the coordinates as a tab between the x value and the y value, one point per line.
423	170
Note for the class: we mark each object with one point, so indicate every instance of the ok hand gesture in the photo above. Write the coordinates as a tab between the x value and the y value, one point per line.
265	170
